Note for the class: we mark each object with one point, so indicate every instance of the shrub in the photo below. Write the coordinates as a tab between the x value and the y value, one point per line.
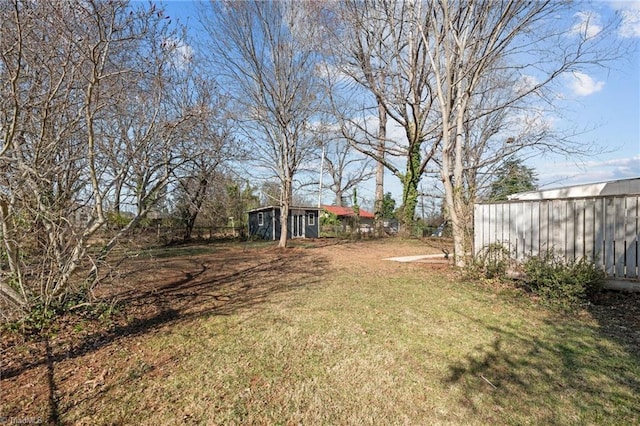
117	220
563	283
34	322
492	262
42	320
329	219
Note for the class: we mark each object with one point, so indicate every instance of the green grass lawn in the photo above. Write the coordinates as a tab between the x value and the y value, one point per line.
371	343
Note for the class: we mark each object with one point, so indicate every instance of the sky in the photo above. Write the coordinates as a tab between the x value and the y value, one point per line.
606	100
604	103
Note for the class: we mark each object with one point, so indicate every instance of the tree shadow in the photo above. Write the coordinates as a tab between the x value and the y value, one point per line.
586	370
618	314
54	409
211	285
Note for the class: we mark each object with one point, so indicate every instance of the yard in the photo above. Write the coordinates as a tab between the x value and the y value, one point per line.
323	333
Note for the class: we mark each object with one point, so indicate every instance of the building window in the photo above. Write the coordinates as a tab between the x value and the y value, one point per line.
312	219
260	219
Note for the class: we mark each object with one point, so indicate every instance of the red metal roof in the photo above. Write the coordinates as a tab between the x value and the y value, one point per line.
347	211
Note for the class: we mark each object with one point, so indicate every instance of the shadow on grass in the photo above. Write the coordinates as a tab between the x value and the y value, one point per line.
217	284
563	372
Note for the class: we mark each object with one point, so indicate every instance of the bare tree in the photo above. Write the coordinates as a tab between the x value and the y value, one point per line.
468	43
495	134
211	138
381	48
65	69
346	167
267	61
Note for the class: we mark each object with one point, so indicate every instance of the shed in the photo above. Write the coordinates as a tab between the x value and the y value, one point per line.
347	216
598	221
303	222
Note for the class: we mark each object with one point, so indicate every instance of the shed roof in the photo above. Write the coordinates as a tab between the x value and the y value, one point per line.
265	208
347	211
611	188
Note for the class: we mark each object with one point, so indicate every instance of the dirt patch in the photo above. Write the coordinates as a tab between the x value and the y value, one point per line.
368	253
148	295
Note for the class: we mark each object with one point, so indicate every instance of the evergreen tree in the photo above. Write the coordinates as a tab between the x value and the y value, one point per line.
512	177
388	207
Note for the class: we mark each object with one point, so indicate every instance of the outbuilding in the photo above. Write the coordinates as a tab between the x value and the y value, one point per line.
302	222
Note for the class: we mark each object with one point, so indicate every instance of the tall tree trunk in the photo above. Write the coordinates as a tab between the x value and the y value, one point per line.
452	175
117	194
194	205
188	226
410	183
379	202
287	195
284	224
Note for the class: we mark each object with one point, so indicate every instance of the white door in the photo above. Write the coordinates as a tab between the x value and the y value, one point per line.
297	225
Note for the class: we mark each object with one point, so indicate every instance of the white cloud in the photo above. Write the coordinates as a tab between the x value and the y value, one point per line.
552	174
526	83
587	25
630	25
332	73
629	12
185	53
532	121
181	53
582	84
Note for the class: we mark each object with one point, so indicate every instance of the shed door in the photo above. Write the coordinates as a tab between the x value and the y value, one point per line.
297	228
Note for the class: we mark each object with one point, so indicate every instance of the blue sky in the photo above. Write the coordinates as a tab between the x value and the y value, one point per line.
607	101
604	100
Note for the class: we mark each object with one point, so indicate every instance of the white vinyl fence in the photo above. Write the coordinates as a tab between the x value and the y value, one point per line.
604	229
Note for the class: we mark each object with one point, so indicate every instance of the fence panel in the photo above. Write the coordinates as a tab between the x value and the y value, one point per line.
478	232
570	230
579	237
619	242
544	225
632	232
493	222
609	236
599	229
604	229
589	229
556	222
535	228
